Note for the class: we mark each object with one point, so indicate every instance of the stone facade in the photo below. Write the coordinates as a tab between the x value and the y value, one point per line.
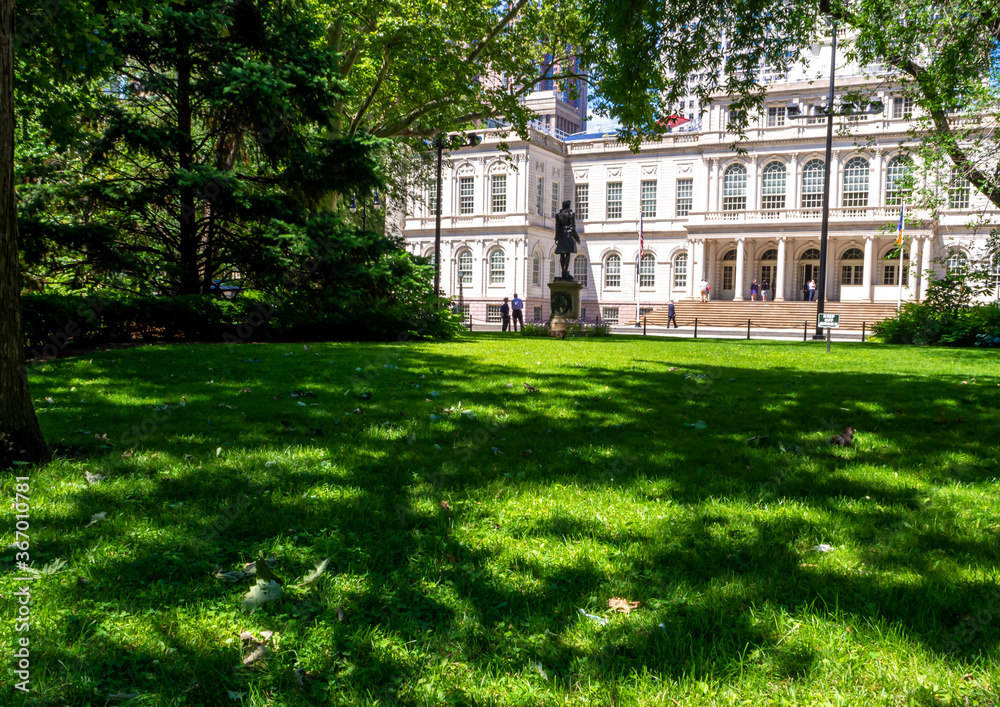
707	212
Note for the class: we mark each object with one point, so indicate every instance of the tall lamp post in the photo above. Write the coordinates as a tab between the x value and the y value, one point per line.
824	234
353	207
440	142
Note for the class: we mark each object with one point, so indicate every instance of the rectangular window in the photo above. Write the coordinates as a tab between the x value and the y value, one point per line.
775	117
582	202
647	191
958	190
610	315
647	271
727	277
493	314
466	195
539	194
464	310
614	200
889	274
583	313
685	196
499	192
902	107
538	313
851	274
536	270
643	311
681	271
555	198
432	193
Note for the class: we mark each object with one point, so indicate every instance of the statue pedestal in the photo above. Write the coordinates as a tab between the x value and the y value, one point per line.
564	305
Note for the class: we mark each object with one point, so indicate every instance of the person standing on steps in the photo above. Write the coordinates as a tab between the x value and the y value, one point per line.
754	291
812	290
765	287
703	286
505	315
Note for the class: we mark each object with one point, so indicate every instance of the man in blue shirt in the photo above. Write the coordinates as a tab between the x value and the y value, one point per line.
517	307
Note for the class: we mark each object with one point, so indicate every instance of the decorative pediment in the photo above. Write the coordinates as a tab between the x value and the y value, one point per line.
498	166
684	168
614	171
581	173
649	170
465	169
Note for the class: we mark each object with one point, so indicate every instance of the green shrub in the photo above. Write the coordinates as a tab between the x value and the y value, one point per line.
922	324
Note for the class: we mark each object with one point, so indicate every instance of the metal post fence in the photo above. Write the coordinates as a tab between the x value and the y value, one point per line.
748	330
863	325
805	329
696	327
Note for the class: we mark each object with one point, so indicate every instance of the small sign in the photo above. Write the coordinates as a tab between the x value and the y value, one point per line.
828	321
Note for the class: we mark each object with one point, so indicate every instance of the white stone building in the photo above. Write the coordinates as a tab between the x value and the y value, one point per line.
707	212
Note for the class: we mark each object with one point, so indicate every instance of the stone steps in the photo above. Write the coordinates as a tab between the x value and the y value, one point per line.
770	315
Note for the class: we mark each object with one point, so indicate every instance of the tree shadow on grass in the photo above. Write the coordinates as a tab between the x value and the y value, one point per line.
588	426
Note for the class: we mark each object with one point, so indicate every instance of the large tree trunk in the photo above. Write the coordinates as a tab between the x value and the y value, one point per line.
20	437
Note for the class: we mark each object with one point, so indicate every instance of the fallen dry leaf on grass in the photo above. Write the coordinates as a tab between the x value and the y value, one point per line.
623	605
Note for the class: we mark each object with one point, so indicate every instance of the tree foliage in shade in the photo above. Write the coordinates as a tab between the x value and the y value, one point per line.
210	155
421	67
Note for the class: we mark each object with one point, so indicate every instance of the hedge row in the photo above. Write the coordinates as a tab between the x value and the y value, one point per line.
921	324
53	323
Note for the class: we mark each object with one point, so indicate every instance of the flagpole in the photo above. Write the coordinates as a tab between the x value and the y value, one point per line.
899	243
638	264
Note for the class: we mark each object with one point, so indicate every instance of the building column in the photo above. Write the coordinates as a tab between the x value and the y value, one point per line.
925	265
779	284
713	187
708	256
795	182
740	258
878	174
691	284
836	184
753	201
916	249
866	276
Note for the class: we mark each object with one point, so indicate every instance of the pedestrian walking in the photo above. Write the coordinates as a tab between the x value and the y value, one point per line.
671	314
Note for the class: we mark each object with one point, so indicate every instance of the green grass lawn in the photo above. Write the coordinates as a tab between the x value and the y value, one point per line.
477	530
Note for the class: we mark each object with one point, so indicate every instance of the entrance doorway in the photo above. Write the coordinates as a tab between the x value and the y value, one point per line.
808	270
728	288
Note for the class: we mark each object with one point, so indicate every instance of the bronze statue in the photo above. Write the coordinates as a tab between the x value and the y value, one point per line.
566	239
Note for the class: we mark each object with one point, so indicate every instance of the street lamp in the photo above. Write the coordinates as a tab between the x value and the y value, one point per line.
353	207
440	142
793	113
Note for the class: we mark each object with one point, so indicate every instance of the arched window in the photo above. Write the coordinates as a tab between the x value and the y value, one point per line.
498	263
613	271
771	254
580	269
812	184
897	180
731	255
995	273
465	267
734	188
768	270
430	256
852	267
647	270
957	261
810	254
772	192
681	270
536	268
890	266
856	182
